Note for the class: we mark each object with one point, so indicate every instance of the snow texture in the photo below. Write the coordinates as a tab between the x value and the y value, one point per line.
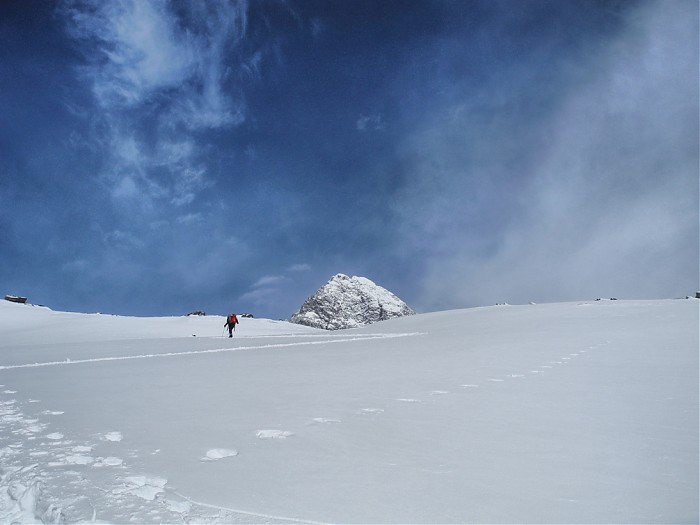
349	302
564	413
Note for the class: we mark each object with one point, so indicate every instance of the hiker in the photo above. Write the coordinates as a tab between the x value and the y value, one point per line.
231	322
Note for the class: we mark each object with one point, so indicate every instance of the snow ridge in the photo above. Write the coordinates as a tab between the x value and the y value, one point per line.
349	302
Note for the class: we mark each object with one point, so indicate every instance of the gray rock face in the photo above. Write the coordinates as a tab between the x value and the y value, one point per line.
349	302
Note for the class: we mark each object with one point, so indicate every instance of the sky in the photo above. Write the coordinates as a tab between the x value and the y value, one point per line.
160	157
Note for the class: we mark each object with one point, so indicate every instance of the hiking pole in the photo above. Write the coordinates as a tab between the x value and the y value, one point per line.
223	332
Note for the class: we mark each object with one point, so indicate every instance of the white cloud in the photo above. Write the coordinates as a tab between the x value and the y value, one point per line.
77	266
269	291
317	28
126	188
219	26
190	218
265	291
158	78
603	201
122	240
135	48
370	123
269	280
259	296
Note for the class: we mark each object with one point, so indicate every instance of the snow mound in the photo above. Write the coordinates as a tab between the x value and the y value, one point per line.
349	302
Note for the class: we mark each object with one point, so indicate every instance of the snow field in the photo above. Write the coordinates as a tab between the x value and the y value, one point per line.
565	413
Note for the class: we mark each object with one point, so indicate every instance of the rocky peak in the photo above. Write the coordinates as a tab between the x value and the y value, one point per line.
349	302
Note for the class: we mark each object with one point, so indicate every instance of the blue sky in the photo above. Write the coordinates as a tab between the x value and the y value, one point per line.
159	157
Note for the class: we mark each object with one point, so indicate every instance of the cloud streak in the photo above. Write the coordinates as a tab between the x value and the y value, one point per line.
273	290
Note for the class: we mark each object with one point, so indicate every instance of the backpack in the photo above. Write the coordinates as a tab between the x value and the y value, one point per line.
232	319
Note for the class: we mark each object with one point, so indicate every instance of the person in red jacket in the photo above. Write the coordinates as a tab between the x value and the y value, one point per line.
231	322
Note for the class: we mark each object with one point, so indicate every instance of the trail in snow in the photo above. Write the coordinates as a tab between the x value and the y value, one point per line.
266	518
211	351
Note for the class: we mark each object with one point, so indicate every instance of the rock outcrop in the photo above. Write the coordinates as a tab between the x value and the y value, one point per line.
349	302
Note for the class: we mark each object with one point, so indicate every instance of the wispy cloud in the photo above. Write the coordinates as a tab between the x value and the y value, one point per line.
269	280
269	290
159	77
134	48
599	197
370	123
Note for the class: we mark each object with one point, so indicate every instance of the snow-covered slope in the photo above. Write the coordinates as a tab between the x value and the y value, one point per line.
579	412
349	302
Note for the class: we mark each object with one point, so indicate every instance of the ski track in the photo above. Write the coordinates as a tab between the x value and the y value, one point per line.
248	513
202	352
48	476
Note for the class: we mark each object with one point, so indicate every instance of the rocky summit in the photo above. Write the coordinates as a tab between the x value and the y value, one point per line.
349	302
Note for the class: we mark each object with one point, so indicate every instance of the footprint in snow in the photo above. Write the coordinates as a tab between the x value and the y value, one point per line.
219	453
79	459
143	487
323	420
109	461
273	434
34	428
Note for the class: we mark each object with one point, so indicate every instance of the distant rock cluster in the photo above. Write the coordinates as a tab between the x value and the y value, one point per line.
16	299
349	302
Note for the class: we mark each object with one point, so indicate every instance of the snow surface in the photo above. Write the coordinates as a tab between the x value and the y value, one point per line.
567	413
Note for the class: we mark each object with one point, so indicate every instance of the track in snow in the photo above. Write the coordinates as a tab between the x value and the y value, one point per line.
211	351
